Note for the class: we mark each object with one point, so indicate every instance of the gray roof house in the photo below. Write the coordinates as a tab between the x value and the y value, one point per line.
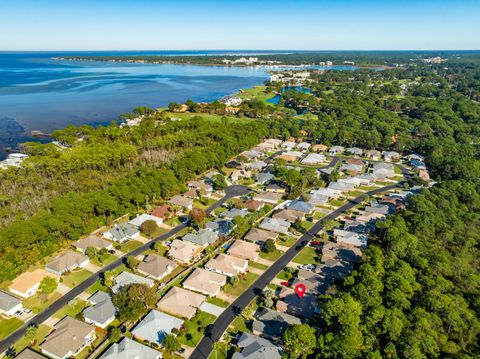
301	206
130	349
156	266
355	151
271	324
92	241
127	278
275	225
67	262
102	313
122	233
264	177
234	212
203	237
155	326
253	347
28	353
9	304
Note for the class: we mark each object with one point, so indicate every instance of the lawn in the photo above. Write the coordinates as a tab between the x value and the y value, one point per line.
76	277
74	307
194	328
198	204
173	222
176	271
355	193
337	202
37	303
218	302
242	284
239	325
258	265
284	275
130	246
42	332
107	259
96	287
273	256
286	241
8	326
307	255
307	225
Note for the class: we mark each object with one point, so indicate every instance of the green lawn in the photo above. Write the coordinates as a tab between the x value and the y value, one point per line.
258	265
8	326
108	258
355	193
286	241
273	256
37	302
242	284
74	307
75	277
307	225
239	325
42	332
198	204
96	287
337	202
130	246
173	222
194	328
283	275
176	271
219	302
307	255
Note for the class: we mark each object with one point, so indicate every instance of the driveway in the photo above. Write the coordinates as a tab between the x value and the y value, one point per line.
211	308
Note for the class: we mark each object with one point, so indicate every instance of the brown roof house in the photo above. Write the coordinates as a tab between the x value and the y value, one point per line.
268	197
162	212
67	262
244	250
181	201
181	302
227	265
26	284
253	205
28	353
319	148
183	251
68	339
205	282
156	267
289	215
260	235
92	241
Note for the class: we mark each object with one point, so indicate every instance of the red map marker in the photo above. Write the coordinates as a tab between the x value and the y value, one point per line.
300	289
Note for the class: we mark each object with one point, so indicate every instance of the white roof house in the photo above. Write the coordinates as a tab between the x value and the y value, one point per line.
336	150
138	221
9	304
155	326
313	159
327	192
303	146
227	265
275	225
355	151
288	145
122	233
205	282
130	349
127	278
351	238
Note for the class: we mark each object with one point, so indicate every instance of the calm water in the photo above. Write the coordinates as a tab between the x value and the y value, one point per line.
40	93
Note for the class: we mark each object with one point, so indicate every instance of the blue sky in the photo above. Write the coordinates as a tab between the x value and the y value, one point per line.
245	24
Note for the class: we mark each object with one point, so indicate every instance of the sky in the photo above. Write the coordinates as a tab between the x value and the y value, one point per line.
246	24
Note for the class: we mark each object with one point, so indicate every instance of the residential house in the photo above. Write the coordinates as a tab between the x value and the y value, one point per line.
181	302
183	251
355	151
318	200
305	307
383	209
341	187
373	155
301	206
102	312
276	187
319	148
268	197
238	174
127	278
257	165
252	154
314	159
391	156
303	146
288	145
191	193
351	238
271	324
366	178
264	177
287	157
222	227
289	215
366	217
351	168
203	237
383	170
355	182
257	235
93	242
275	225
336	150
338	251
244	250
122	233
254	347
419	165
156	267
68	339
227	265
423	174
181	201
67	262
28	353
162	212
201	186
327	192
139	219
414	156
26	284
205	282
9	304
130	349
295	154
155	326
253	205
234	212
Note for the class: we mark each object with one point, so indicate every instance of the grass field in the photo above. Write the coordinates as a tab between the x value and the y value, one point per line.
42	332
76	277
257	265
96	287
219	302
198	204
37	304
130	246
8	326
286	241
194	328
273	256
109	258
71	309
307	255
242	284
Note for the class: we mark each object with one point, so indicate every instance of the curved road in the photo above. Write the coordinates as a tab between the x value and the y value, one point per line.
230	192
215	332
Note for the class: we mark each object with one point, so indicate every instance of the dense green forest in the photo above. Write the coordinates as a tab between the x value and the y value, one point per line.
416	293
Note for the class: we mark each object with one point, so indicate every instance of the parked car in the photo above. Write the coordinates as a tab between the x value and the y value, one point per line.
285	284
309	267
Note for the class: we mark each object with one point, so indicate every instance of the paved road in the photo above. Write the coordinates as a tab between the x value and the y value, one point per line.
215	332
230	192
